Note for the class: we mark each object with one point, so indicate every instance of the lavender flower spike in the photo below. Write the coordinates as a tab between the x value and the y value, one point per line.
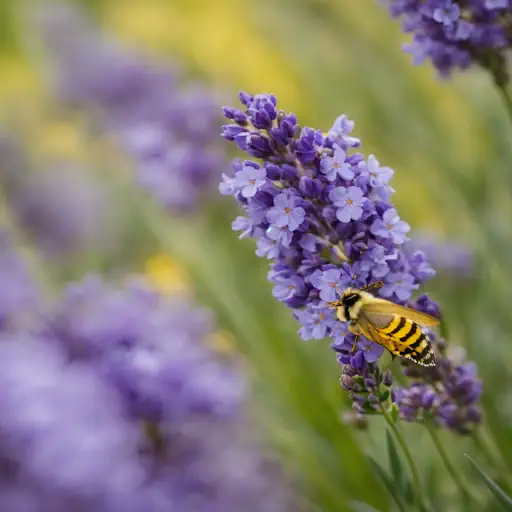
323	217
165	126
456	34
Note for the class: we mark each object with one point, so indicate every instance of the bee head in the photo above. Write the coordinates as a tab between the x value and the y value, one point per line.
350	298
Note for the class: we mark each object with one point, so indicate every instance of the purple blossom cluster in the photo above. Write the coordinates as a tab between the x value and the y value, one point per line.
165	125
321	213
456	34
451	259
110	400
20	296
448	394
37	198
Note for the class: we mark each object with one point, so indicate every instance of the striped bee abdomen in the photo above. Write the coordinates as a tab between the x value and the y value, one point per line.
409	340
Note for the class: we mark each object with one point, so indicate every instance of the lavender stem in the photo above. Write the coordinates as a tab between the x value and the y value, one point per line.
418	496
486	445
507	99
446	461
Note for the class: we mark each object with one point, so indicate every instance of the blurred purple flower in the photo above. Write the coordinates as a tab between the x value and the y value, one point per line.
166	126
449	258
64	437
62	208
455	34
146	347
115	403
20	295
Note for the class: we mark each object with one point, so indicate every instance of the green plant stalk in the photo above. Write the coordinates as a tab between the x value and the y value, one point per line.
447	463
507	99
418	496
483	441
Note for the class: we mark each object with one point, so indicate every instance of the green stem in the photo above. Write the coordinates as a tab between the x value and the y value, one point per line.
446	461
507	99
418	496
485	444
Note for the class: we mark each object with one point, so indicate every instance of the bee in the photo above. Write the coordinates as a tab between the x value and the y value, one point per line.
396	328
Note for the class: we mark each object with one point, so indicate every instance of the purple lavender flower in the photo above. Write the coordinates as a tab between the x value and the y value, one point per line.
400	284
339	133
64	436
285	212
446	13
447	395
335	165
316	322
346	233
328	282
349	202
455	34
378	176
20	295
371	351
165	126
115	403
62	208
249	180
390	226
140	341
451	259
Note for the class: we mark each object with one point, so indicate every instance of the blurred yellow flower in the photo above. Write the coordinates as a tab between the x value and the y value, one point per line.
166	275
60	139
19	79
215	37
222	342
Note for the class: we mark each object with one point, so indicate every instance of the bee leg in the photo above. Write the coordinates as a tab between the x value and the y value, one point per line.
355	342
357	332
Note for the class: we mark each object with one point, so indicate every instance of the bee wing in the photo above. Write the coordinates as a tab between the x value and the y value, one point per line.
370	324
383	307
417	347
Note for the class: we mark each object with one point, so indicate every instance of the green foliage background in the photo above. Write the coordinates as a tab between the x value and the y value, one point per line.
451	148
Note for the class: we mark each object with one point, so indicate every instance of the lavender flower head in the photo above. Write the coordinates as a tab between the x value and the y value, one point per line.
65	442
321	213
164	125
148	346
20	295
451	259
455	34
183	408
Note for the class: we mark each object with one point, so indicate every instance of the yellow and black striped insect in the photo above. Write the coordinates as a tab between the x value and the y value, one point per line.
396	328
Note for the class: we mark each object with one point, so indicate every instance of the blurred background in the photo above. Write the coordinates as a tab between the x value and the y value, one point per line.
81	194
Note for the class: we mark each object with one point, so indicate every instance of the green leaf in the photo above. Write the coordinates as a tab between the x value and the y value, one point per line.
503	499
384	395
359	506
395	463
395	412
388	484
